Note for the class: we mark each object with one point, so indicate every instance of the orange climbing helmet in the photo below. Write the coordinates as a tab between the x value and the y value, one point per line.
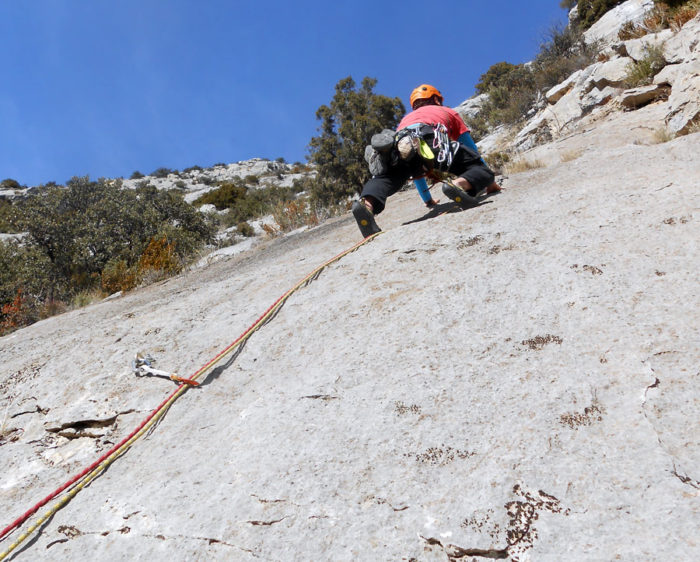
424	92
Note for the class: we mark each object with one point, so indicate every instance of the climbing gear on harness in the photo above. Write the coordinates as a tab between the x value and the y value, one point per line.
143	367
458	195
408	146
365	218
412	141
424	92
446	149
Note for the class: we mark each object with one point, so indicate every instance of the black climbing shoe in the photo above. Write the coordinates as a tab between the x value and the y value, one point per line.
365	219
458	195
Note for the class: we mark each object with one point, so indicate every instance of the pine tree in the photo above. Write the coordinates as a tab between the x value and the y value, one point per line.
347	125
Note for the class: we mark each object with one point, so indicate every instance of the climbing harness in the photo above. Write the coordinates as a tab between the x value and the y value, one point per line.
411	141
87	475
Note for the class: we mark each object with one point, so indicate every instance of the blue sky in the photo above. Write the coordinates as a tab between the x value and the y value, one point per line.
98	88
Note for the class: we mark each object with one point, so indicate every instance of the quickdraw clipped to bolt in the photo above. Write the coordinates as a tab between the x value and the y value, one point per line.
142	365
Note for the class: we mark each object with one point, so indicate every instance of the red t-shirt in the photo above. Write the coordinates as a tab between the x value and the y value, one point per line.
434	114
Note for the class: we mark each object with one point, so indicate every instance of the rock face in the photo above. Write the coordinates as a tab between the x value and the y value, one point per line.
637	97
603	82
516	381
468	109
604	31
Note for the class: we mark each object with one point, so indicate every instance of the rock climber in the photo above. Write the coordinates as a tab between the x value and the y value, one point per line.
430	138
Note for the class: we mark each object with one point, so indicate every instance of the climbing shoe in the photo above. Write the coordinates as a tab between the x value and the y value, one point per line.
365	219
459	196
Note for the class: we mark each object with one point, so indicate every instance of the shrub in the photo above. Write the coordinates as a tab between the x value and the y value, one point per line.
180	184
7	216
136	175
159	256
225	196
163	172
523	165
244	229
514	89
497	161
92	234
290	215
251	179
683	14
642	72
662	135
9	183
13	314
118	276
192	169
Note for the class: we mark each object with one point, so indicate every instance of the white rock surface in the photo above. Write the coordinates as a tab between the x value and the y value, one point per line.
520	378
684	103
605	30
639	48
637	97
468	109
612	72
554	94
685	45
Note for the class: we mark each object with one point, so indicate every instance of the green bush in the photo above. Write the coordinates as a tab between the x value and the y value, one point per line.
226	196
76	231
136	175
163	172
25	279
244	229
9	183
7	216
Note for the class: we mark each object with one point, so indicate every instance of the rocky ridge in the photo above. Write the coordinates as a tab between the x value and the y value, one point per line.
600	86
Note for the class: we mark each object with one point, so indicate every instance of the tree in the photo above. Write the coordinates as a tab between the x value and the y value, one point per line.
80	228
347	126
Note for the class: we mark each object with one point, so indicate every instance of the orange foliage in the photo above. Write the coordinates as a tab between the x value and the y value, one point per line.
14	314
159	255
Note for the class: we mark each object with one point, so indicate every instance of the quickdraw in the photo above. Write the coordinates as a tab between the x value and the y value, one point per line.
143	367
446	149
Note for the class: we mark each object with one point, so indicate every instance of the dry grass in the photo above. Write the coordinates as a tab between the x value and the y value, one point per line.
570	155
683	15
659	18
661	135
522	165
